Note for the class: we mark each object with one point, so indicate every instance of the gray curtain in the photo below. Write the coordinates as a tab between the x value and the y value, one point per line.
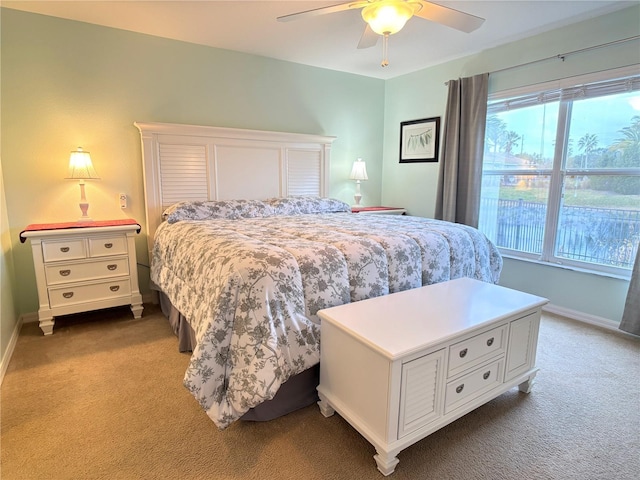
460	178
631	315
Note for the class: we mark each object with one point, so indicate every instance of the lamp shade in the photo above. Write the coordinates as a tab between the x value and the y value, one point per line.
80	166
388	16
359	170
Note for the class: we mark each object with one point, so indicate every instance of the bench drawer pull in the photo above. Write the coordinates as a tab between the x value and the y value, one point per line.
112	267
459	388
108	245
463	353
65	273
67	294
64	249
490	342
114	288
486	374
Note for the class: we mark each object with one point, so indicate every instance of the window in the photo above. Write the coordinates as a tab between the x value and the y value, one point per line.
561	175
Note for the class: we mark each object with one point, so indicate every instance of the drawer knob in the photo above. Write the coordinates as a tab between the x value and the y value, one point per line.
459	388
64	249
108	245
65	273
463	353
112	266
486	374
67	294
114	288
490	342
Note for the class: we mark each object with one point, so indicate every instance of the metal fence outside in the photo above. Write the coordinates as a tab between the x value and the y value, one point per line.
603	236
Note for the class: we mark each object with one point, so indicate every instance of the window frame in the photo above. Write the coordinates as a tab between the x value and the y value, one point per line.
559	170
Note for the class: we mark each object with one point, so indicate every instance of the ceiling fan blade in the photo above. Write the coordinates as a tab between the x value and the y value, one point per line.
449	17
323	10
369	38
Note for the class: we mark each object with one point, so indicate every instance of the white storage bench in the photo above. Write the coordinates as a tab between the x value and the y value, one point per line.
402	366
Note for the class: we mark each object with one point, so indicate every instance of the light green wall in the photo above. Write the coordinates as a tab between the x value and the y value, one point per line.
67	84
423	94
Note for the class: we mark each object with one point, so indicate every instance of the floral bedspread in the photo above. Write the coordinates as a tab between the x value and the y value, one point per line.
251	288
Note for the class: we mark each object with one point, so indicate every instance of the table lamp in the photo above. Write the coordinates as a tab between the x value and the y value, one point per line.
81	168
358	173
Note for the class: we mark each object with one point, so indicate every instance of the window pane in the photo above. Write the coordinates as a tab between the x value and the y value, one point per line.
605	132
600	220
589	195
513	210
522	139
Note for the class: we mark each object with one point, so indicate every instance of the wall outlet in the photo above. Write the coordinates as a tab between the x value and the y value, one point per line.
122	197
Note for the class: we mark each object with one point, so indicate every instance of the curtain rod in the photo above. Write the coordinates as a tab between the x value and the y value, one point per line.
562	56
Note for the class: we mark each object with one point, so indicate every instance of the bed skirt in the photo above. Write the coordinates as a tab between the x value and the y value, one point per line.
297	392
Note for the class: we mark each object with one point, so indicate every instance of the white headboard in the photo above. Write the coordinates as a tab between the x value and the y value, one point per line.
190	162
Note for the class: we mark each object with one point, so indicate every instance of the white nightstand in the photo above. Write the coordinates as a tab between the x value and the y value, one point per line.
84	266
379	210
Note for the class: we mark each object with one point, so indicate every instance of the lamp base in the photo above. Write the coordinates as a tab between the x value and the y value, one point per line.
357	197
84	208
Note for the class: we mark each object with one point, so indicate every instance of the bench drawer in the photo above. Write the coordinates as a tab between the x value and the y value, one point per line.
469	387
476	350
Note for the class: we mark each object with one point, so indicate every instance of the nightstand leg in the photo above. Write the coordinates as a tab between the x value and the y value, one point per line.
137	310
46	325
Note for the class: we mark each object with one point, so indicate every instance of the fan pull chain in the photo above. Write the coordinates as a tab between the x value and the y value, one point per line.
385	50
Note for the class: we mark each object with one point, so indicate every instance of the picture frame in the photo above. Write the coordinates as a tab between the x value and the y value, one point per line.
420	140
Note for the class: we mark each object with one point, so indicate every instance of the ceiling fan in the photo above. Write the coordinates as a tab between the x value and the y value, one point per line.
386	17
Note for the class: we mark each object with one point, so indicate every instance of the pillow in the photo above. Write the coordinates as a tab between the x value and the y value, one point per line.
304	205
205	210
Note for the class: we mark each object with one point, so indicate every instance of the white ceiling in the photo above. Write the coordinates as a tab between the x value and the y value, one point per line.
327	41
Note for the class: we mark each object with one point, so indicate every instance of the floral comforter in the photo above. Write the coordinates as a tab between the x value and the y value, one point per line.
251	288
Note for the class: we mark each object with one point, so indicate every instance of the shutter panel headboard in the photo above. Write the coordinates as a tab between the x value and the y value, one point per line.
191	162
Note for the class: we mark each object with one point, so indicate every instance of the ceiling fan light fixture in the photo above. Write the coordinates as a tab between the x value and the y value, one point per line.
388	16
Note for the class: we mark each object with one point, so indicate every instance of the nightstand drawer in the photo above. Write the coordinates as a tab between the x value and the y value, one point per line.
75	272
475	350
73	294
104	246
70	249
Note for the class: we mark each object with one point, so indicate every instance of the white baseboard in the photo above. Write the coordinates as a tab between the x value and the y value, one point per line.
584	318
30	317
8	353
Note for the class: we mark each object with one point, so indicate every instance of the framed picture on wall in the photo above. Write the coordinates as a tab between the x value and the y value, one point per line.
419	140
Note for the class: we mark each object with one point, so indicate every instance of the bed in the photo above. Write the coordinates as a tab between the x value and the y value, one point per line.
245	262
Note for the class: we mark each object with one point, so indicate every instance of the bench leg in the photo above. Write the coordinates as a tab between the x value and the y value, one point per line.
527	385
386	461
326	409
